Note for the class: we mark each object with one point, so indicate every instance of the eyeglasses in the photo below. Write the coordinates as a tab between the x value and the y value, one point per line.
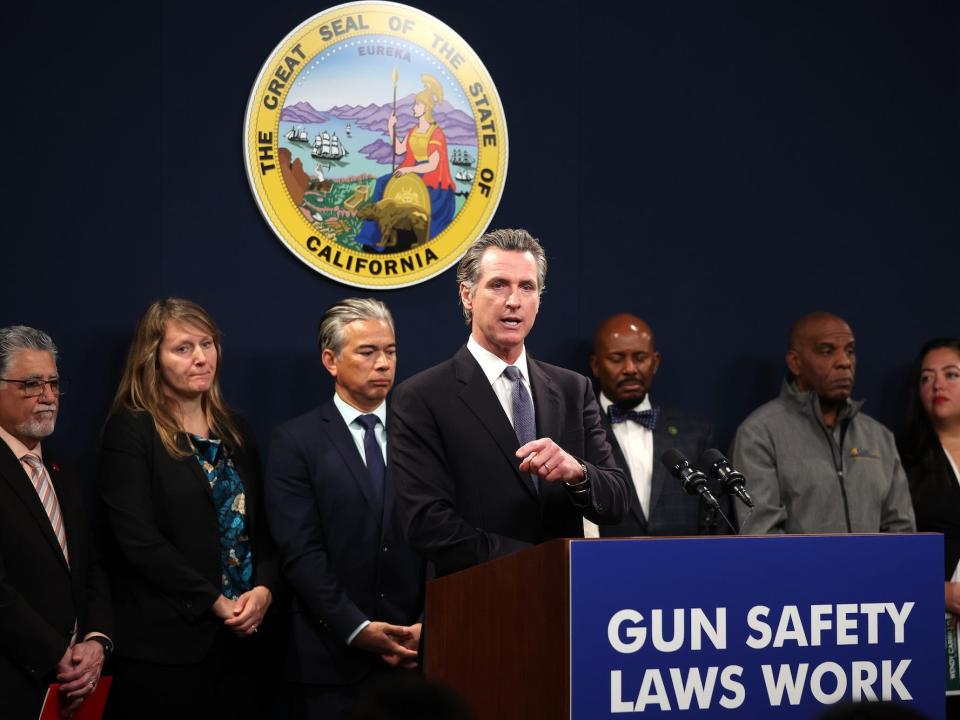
34	386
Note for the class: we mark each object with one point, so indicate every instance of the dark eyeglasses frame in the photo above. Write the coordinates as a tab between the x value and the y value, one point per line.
57	386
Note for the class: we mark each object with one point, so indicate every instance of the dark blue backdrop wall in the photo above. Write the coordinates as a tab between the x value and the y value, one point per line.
716	167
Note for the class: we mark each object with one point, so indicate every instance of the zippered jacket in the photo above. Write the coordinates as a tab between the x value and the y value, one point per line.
806	478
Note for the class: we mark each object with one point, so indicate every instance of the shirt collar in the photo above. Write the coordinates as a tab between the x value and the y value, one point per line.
350	414
606	402
17	447
491	365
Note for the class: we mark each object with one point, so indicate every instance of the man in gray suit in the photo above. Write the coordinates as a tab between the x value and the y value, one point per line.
624	362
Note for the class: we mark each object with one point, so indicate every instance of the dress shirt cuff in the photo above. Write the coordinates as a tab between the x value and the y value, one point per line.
94	634
579	492
356	632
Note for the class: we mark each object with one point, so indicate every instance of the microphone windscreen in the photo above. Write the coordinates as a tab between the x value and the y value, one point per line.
673	458
711	457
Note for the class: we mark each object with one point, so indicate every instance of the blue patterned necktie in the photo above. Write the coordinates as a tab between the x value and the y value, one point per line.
374	457
524	422
647	418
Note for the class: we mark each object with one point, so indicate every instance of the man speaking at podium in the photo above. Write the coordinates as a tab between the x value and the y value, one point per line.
492	450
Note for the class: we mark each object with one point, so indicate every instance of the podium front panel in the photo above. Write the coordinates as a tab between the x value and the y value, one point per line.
760	627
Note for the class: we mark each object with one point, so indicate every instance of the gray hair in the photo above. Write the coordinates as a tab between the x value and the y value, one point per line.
338	316
513	240
15	338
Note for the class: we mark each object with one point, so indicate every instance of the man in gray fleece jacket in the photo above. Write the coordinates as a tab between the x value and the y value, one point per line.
813	462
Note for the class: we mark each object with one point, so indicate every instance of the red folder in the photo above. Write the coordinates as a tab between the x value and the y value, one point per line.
90	709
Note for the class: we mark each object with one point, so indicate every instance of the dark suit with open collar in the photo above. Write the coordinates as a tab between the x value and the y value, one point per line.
344	561
40	596
672	511
462	496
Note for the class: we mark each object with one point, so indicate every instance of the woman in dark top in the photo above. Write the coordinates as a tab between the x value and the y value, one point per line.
192	565
930	449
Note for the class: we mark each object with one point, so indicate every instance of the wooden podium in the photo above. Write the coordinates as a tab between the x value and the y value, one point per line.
582	629
499	634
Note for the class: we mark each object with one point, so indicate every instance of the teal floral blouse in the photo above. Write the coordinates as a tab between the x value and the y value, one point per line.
229	499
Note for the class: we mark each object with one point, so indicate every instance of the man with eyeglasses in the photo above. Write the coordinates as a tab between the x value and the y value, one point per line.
55	610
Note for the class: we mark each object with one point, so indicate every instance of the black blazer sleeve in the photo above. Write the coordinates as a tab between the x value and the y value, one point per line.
427	491
130	462
609	497
298	528
27	639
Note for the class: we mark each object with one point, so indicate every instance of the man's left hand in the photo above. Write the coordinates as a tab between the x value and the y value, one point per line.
550	462
79	670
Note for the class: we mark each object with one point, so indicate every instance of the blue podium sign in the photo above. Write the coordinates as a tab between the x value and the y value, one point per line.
759	627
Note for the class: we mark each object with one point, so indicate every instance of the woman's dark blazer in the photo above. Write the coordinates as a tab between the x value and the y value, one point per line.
936	503
163	541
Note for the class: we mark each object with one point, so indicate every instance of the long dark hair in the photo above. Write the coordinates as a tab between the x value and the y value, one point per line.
919	442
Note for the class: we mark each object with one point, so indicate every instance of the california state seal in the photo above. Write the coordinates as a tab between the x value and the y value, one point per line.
375	144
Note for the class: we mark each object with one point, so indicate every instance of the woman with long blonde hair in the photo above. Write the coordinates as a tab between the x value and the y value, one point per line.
192	566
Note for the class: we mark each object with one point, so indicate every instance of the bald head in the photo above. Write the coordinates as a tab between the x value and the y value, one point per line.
822	356
624	359
810	325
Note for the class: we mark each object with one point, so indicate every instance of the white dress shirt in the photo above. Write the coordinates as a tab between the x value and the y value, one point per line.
493	368
357	431
636	442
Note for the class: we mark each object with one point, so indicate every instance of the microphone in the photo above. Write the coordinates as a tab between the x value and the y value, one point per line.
721	470
692	480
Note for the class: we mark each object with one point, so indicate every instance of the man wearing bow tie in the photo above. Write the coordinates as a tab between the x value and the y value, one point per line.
624	362
494	451
55	610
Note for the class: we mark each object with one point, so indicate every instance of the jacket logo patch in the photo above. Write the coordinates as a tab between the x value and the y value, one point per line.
864	454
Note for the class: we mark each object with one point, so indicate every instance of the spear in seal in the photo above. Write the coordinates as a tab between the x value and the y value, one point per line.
393	135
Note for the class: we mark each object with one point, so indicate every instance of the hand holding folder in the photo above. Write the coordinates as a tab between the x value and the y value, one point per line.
90	709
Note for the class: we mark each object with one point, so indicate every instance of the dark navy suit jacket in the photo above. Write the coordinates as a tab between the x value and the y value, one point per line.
463	497
672	511
345	561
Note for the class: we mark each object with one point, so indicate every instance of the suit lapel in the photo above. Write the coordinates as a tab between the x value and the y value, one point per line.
479	397
195	468
546	401
660	476
341	439
16	477
621	461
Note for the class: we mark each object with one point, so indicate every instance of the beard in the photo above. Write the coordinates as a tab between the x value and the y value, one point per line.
39	426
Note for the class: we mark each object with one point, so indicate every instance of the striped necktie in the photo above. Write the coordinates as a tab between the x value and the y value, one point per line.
48	498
